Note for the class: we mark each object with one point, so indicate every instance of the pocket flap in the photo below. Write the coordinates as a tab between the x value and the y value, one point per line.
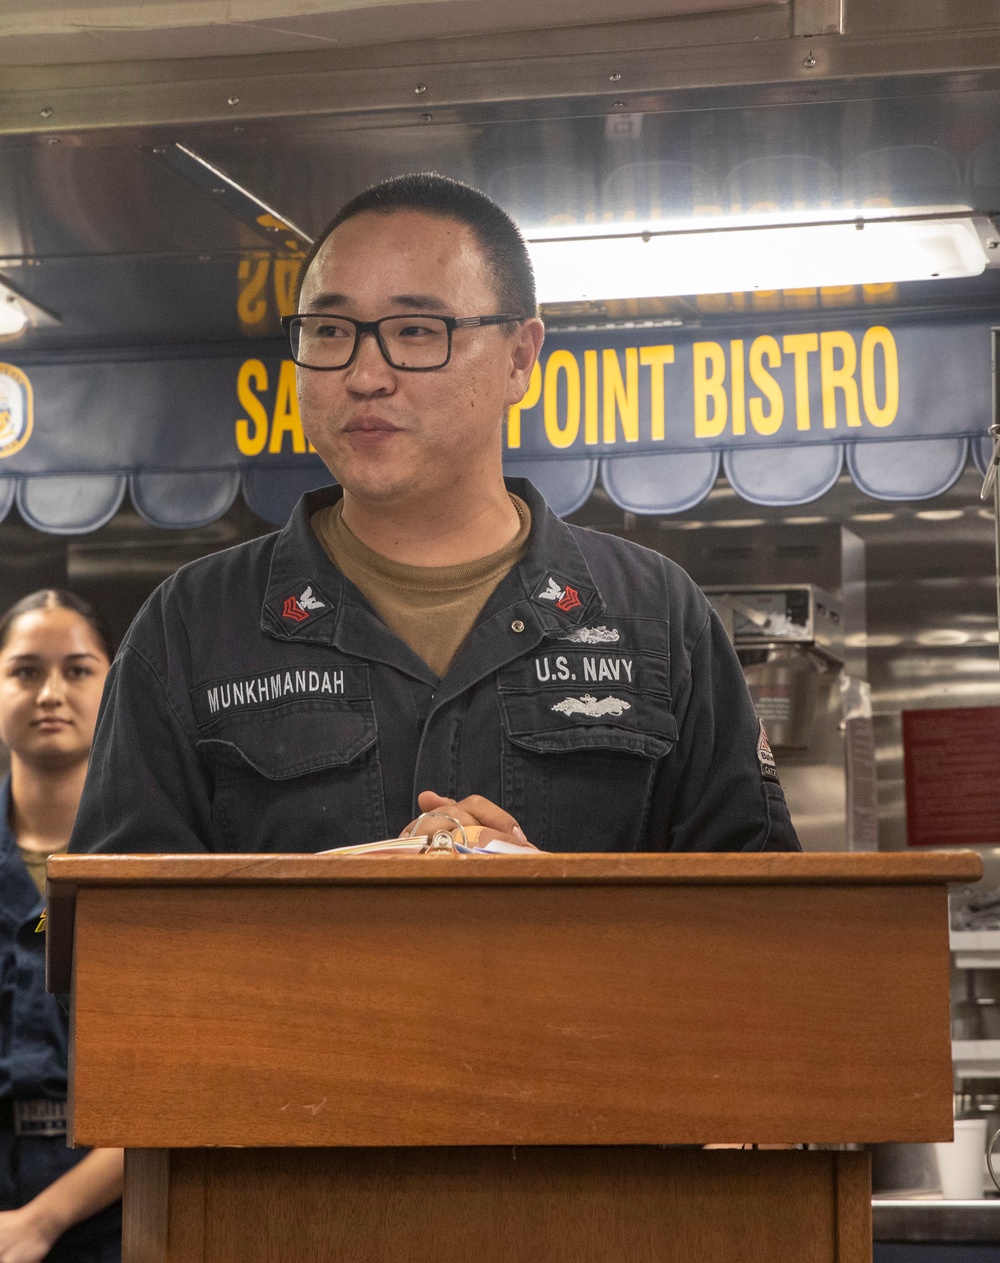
294	738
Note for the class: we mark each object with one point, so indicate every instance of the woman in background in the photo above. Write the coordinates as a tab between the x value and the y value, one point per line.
56	1203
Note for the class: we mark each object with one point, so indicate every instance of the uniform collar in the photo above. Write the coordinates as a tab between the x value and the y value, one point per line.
304	588
556	578
551	587
8	843
549	591
308	600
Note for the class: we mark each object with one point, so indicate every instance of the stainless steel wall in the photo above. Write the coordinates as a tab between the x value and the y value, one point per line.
930	596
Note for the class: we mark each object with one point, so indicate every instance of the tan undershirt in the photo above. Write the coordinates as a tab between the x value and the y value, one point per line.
34	862
431	608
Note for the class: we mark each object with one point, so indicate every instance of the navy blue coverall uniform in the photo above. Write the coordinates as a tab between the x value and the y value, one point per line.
258	703
33	1060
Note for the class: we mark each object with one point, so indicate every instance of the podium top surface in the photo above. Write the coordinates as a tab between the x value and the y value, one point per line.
69	872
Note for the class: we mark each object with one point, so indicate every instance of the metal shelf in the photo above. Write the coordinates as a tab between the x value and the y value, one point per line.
976	949
976	1058
934	1219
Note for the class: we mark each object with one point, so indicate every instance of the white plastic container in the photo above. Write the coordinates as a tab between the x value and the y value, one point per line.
960	1162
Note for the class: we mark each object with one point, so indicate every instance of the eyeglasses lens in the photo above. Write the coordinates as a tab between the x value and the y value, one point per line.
408	341
415	343
322	343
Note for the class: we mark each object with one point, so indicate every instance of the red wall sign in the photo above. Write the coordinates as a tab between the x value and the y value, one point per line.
951	761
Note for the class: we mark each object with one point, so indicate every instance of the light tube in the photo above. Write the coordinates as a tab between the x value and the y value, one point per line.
738	260
13	317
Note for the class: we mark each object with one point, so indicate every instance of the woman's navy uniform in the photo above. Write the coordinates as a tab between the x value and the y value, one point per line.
258	703
33	1064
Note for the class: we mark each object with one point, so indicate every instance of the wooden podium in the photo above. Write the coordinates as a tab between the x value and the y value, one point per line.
504	1060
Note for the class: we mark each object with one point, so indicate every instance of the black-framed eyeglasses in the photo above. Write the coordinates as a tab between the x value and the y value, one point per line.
415	343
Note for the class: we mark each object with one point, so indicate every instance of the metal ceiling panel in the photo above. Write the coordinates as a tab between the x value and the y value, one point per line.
68	200
765	108
739	56
58	32
130	251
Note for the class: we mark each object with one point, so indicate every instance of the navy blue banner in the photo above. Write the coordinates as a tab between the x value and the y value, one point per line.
655	390
605	394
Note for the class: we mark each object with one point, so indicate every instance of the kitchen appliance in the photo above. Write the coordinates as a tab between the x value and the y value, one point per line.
787	637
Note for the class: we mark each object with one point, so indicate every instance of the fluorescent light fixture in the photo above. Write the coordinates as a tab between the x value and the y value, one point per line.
658	263
13	317
17	311
239	201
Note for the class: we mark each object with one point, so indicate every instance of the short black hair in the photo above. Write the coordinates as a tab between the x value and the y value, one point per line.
497	234
59	599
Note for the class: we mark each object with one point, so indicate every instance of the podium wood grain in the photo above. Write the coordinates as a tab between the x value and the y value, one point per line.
497	1205
445	1060
559	1000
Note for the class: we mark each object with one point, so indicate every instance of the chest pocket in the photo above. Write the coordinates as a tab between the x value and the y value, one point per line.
297	775
583	734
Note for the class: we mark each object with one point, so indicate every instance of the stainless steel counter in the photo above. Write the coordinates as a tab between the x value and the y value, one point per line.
934	1219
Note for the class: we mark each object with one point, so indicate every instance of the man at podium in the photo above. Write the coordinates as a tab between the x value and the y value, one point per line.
426	634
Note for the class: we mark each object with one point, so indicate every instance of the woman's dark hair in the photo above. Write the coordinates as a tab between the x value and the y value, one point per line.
59	599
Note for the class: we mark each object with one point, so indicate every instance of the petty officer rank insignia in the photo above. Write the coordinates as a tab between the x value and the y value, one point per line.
768	768
301	607
558	594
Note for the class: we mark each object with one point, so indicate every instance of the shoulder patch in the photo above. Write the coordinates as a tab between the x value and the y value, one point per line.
765	758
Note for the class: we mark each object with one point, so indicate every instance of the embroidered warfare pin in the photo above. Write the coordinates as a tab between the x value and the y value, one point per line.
599	635
592	707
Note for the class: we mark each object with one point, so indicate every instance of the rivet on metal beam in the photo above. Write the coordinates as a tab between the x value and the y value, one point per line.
233	100
426	118
46	111
614	77
420	89
809	61
618	105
